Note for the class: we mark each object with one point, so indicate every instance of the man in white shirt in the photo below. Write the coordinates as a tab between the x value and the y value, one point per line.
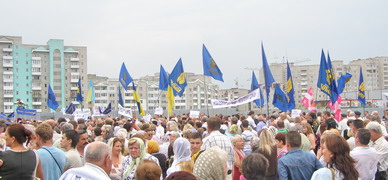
98	164
354	126
68	143
366	157
252	123
381	145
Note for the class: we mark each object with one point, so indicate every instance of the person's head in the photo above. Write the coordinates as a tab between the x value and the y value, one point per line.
66	126
99	154
375	130
307	129
44	133
181	175
172	136
245	124
280	139
148	170
336	154
69	139
182	154
357	124
280	124
362	137
233	129
149	133
117	146
293	140
215	169
16	135
83	139
195	140
213	124
238	142
331	124
254	166
74	123
105	131
326	115
357	114
266	141
136	148
376	118
152	147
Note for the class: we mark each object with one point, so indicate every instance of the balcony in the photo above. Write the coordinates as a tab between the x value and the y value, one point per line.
8	103
8	110
38	110
7	64
7	80
73	88
36	88
36	65
37	73
74	73
74	80
74	66
8	72
7	49
8	57
74	59
37	103
7	87
8	95
36	58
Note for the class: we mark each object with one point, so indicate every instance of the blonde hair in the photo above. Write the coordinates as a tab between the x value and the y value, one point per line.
266	141
187	166
236	139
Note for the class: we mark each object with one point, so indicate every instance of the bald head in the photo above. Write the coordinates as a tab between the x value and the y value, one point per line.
51	122
96	152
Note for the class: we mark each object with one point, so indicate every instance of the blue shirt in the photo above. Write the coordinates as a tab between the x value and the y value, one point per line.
297	164
49	166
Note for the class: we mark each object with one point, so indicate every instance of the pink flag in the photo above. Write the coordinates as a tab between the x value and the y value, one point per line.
308	100
336	108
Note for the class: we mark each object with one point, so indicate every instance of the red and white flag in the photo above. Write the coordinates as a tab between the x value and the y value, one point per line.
308	100
336	108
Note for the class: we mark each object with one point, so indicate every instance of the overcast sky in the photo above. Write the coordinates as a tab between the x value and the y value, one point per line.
147	33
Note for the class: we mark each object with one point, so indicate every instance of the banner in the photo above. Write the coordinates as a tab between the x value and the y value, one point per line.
127	112
158	111
194	114
385	99
242	100
29	112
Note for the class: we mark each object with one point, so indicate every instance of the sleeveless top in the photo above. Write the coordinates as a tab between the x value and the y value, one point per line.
18	165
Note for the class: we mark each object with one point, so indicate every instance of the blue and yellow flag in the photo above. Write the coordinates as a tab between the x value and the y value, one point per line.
124	77
210	67
121	102
290	89
342	82
178	79
79	92
361	89
280	99
267	73
51	102
137	99
255	85
323	79
90	96
170	100
331	81
108	109
70	109
163	79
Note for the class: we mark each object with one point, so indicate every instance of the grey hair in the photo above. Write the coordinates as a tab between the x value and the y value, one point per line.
67	126
95	152
374	126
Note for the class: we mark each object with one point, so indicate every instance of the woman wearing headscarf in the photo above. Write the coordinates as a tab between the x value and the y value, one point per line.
182	157
233	131
153	149
137	153
211	164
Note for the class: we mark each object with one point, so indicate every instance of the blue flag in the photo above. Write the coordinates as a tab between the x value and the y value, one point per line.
255	85
361	89
163	79
3	116
280	99
178	79
29	112
342	82
323	80
290	89
99	109
331	81
124	77
11	115
70	109
267	73
108	109
79	92
121	102
210	67
51	102
137	99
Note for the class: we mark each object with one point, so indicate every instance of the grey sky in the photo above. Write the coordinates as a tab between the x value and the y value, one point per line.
145	34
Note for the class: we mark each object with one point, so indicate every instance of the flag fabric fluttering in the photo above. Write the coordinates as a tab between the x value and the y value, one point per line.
170	100
121	102
290	90
107	109
124	77
137	99
11	115
342	82
323	79
280	99
255	85
210	67
3	115
361	90
267	73
308	100
90	96
176	85
51	102
163	79
336	107
79	92
331	80
70	109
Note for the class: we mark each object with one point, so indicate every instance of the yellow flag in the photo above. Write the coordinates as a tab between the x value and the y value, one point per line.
170	100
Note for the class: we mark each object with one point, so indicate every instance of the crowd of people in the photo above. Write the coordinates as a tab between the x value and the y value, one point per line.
313	145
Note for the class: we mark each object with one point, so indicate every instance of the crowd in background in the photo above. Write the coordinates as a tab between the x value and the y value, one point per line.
249	146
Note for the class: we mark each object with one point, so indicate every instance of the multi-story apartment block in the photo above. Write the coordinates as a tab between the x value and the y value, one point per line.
28	70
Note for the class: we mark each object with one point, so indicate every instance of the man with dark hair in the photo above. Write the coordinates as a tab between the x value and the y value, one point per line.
195	140
254	166
215	138
297	164
247	135
82	142
366	157
250	119
357	114
68	143
354	126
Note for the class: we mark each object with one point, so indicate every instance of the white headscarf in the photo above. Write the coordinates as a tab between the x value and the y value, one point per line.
181	150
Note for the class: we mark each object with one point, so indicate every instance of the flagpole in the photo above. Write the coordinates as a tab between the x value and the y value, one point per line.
204	83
